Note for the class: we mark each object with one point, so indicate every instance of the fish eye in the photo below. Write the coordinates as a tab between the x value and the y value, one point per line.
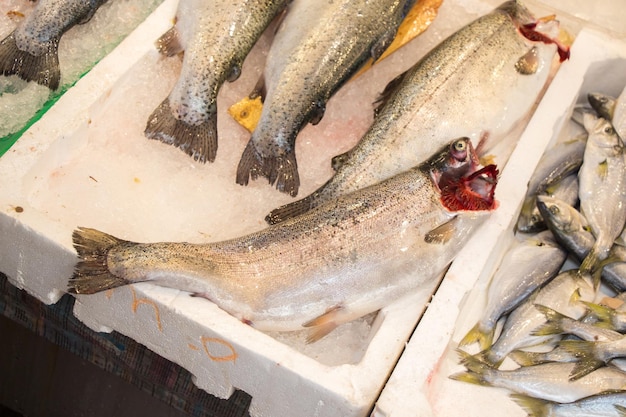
554	210
609	130
459	149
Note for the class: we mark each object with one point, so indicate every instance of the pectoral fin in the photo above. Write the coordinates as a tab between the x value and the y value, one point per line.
603	169
528	63
442	233
169	43
324	324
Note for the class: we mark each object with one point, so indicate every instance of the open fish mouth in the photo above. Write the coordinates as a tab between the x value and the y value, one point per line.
472	192
544	30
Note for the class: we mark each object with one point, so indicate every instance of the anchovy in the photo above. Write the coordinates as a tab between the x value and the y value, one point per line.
216	37
463	87
346	259
31	50
318	47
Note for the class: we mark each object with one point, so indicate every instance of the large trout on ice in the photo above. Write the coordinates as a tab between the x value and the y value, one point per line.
318	47
216	37
480	82
350	256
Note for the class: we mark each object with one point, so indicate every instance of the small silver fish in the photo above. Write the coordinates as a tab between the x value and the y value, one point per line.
593	354
566	294
346	259
602	187
318	47
555	165
463	87
527	265
31	50
601	405
548	381
216	37
571	230
603	104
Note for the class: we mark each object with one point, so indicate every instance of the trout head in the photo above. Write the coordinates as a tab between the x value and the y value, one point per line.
462	183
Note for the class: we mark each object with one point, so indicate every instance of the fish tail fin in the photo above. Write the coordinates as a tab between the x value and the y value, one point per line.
169	43
480	335
198	141
525	358
590	262
476	369
621	410
281	170
43	69
535	407
588	361
603	313
92	274
553	324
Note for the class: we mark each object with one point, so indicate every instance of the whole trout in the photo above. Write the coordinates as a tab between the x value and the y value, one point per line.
347	258
216	37
318	47
31	50
479	82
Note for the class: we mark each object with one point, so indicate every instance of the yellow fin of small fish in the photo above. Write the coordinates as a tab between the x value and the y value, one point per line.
247	111
324	324
533	406
476	334
441	234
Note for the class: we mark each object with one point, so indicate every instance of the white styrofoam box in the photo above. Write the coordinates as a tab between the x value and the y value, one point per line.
86	163
28	239
419	384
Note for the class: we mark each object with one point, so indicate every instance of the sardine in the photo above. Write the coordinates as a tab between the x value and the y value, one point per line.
318	47
556	164
31	50
603	405
602	187
216	37
463	87
346	259
570	228
527	265
603	105
548	381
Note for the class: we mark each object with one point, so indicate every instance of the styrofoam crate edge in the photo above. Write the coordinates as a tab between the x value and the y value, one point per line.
67	115
412	388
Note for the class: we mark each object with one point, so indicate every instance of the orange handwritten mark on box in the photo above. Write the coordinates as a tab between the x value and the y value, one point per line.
207	341
138	301
192	347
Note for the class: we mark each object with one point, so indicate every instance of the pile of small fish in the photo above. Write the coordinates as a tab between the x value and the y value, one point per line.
563	325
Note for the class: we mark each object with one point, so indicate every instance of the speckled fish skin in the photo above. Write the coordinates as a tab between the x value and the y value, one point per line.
350	257
463	87
527	265
318	47
602	187
216	37
31	50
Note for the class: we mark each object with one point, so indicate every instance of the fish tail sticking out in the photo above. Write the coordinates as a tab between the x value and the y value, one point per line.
169	43
92	274
476	370
281	170
553	324
290	210
588	361
484	337
527	358
602	313
535	407
198	141
42	69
